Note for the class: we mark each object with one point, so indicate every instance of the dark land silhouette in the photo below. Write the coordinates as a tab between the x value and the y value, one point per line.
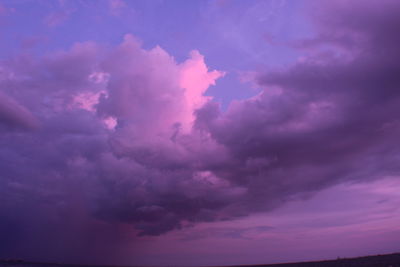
387	260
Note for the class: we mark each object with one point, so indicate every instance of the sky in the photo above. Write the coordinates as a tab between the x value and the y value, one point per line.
199	133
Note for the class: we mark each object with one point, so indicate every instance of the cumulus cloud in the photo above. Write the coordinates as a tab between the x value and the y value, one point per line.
328	118
127	140
145	171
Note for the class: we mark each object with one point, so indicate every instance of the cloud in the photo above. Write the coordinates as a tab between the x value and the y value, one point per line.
129	143
329	118
144	172
14	116
134	91
225	233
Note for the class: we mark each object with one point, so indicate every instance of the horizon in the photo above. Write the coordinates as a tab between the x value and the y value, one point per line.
21	261
199	133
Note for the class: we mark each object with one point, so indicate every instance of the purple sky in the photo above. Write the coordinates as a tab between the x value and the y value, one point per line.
184	132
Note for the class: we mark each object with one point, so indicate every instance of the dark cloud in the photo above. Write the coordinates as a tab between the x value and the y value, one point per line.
333	116
116	155
15	116
226	232
77	177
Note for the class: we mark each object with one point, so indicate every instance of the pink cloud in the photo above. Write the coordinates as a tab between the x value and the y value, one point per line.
148	88
196	79
117	132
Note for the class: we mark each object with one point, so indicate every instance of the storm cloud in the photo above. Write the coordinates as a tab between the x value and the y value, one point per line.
124	137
